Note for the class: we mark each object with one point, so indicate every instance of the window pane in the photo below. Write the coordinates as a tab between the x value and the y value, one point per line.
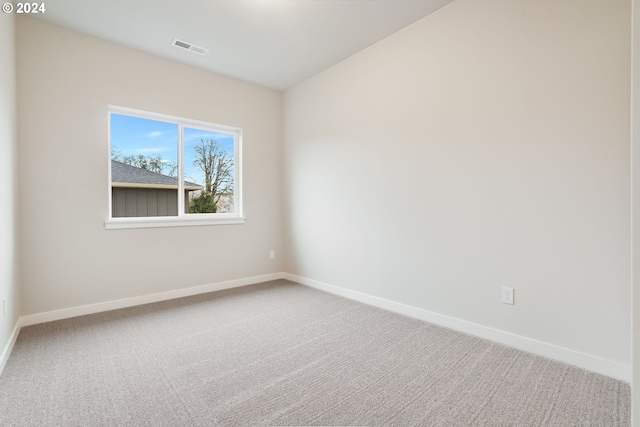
209	171
144	166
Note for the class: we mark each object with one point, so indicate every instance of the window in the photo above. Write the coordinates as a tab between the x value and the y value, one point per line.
168	171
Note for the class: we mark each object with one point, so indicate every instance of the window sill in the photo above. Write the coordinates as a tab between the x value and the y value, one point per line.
159	222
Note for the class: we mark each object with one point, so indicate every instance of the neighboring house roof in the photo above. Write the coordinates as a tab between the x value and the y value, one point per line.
124	175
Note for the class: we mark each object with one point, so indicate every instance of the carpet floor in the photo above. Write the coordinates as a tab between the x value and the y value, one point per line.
281	354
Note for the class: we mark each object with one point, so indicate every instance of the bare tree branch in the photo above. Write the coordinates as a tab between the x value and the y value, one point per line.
217	167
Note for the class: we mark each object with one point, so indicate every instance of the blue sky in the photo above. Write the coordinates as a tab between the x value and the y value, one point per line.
134	135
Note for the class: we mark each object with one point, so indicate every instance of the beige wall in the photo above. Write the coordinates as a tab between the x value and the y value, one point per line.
65	82
486	145
9	287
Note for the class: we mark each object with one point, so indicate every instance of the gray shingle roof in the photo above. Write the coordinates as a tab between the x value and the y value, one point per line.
122	173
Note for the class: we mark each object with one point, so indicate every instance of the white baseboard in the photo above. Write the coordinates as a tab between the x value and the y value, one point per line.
582	360
65	313
9	347
586	361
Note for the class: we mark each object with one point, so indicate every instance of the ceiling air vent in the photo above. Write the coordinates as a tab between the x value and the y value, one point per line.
190	47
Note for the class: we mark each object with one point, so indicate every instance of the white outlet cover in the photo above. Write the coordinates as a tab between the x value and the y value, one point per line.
507	295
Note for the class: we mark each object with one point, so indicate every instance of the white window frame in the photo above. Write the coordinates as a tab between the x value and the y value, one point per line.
182	219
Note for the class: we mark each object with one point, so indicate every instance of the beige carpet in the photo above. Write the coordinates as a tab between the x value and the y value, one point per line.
282	354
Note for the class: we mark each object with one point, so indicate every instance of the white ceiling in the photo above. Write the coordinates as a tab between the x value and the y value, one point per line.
271	43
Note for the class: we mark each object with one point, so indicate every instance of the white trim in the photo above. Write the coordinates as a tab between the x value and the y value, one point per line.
171	221
586	361
181	201
582	360
9	347
171	119
109	188
65	313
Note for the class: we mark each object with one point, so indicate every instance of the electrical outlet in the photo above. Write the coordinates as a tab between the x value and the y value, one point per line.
272	254
507	295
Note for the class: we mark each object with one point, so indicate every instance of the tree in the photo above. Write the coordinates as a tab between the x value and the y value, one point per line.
151	163
217	166
203	204
116	154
